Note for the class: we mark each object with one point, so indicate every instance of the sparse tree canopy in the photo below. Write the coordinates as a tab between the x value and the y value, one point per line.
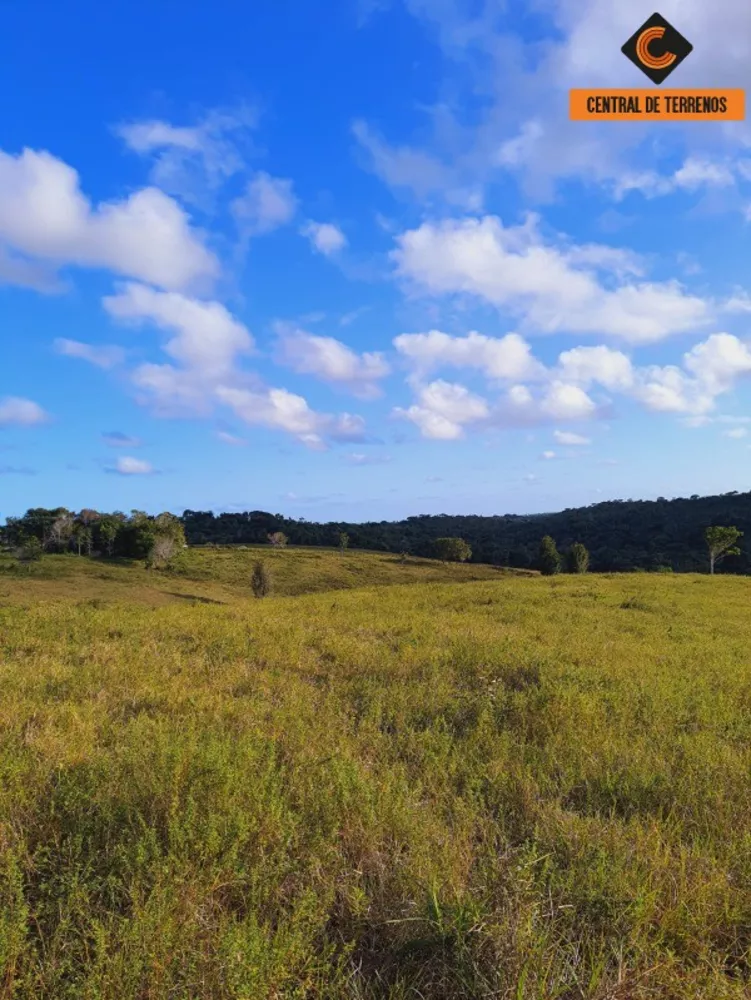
278	539
549	558
720	543
260	580
162	551
343	541
578	558
30	550
452	550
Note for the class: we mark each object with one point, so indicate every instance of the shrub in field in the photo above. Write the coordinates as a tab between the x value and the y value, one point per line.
578	558
452	550
549	559
260	580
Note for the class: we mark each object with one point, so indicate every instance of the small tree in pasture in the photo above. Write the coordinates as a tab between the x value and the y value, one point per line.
549	559
260	580
452	550
278	540
720	543
578	558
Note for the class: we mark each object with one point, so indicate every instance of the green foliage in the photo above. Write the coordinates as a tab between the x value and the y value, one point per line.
108	529
577	560
452	550
343	541
720	543
382	794
549	558
29	550
260	580
621	535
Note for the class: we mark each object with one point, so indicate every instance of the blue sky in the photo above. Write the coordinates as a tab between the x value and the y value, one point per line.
352	261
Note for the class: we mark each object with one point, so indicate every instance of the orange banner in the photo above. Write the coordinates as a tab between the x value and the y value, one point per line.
652	105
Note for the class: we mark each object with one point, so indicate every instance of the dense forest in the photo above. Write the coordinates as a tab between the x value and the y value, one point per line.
620	535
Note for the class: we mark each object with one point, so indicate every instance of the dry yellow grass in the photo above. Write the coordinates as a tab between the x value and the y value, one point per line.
518	787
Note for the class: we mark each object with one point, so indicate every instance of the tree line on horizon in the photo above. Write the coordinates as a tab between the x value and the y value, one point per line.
617	536
620	535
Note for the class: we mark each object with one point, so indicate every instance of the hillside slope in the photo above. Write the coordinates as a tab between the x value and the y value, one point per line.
221	575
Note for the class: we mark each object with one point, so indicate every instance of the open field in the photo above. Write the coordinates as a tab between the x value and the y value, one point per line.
520	788
222	574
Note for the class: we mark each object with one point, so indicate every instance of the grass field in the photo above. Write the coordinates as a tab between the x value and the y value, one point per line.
223	575
511	787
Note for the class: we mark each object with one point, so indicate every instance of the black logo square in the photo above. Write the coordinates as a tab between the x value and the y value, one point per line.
657	48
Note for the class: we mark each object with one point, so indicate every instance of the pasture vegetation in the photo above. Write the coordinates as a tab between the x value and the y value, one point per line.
520	787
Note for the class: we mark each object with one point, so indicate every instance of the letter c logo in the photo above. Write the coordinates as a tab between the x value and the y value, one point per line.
642	49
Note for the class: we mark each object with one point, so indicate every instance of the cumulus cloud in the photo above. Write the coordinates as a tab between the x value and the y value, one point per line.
205	341
547	286
128	466
268	203
16	411
205	344
444	409
279	409
508	357
325	237
330	360
603	365
45	216
101	355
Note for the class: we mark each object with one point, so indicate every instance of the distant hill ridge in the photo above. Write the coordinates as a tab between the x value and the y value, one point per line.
620	534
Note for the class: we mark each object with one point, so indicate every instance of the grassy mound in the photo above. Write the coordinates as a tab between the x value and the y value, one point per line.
223	575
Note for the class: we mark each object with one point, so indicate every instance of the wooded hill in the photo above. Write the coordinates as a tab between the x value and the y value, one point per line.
620	534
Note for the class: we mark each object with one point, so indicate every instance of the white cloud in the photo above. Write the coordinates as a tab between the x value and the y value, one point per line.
669	390
330	360
603	365
506	357
548	456
102	355
45	216
570	439
14	410
206	341
737	433
514	269
444	409
739	302
128	466
567	402
325	237
268	203
193	162
719	361
279	409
